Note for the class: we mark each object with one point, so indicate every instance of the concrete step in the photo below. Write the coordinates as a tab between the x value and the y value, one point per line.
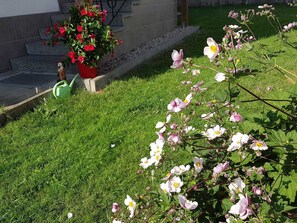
117	21
59	17
66	6
39	63
44	36
41	48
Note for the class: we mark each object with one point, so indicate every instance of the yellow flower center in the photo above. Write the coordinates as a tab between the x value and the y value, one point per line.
213	49
198	164
217	132
175	185
259	144
131	204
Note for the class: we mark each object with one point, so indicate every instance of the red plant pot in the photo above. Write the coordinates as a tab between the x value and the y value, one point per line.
86	71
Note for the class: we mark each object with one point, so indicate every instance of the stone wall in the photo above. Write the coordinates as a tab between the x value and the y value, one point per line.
149	19
206	3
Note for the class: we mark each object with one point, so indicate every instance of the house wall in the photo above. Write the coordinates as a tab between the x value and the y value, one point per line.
149	19
20	21
26	7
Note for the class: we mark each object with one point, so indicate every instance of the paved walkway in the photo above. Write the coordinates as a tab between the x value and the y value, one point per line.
18	86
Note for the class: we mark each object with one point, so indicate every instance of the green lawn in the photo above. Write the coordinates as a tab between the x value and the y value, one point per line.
59	158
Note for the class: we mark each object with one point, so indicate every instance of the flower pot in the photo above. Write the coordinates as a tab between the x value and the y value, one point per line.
86	71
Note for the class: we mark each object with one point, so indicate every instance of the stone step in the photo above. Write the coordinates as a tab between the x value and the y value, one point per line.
41	48
39	63
59	17
122	5
44	36
117	21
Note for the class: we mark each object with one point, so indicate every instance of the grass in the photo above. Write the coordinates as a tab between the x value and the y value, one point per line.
59	158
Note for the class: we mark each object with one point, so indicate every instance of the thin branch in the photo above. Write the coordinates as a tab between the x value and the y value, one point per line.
265	102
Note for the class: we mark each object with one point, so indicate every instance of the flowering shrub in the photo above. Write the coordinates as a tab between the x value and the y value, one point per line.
237	170
85	33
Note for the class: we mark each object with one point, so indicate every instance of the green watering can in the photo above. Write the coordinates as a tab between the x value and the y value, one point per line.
62	90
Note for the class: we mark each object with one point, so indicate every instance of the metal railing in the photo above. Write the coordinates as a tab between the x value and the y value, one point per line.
112	6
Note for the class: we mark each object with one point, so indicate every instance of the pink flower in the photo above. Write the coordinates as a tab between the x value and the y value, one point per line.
259	145
184	203
177	58
174	139
257	191
115	208
221	167
235	117
242	207
176	105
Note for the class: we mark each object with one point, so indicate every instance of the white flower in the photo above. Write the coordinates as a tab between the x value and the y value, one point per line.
220	77
116	221
259	145
195	72
156	158
156	147
212	50
112	145
165	187
162	125
175	184
198	164
189	128
186	203
233	26
237	141
207	116
188	99
237	186
214	132
131	205
221	167
178	170
69	215
242	207
145	162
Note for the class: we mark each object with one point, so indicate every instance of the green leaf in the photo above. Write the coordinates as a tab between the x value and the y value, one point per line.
226	205
268	167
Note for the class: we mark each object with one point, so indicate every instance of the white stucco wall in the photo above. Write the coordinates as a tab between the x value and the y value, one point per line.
25	7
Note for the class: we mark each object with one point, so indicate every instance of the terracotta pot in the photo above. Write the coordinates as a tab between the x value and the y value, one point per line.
86	71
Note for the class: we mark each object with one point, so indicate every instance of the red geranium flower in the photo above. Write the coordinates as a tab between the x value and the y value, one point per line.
83	12
80	28
62	31
72	56
89	47
79	36
91	14
81	59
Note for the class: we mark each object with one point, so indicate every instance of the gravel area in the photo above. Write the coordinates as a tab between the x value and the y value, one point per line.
143	48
